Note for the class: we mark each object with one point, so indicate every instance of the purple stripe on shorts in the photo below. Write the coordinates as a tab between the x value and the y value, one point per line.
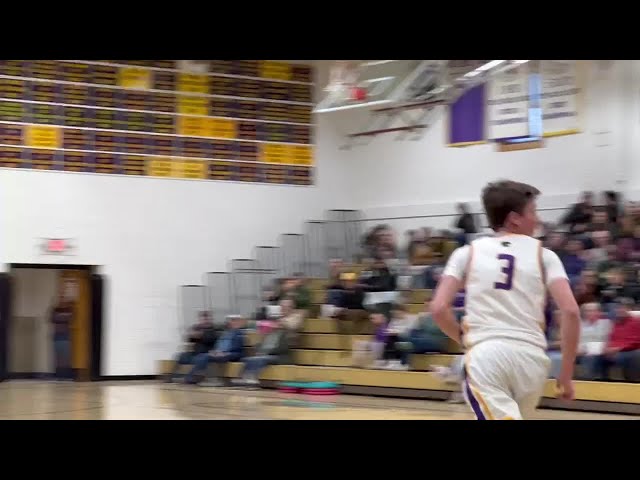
475	406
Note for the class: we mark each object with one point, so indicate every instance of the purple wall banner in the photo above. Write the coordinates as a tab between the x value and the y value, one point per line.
467	118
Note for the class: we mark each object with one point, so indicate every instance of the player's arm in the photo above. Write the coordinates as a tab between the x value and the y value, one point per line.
560	290
449	285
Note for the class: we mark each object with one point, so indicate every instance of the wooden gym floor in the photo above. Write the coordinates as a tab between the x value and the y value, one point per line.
43	400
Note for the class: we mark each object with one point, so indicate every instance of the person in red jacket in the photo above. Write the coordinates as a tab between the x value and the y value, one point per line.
623	347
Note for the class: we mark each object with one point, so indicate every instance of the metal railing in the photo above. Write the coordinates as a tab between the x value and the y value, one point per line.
220	295
192	299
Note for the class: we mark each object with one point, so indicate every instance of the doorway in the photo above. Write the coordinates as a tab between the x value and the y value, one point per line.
27	330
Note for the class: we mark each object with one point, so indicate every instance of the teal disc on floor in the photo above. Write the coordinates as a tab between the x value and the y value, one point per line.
321	385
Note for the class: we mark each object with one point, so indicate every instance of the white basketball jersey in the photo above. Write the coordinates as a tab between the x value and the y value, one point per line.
506	279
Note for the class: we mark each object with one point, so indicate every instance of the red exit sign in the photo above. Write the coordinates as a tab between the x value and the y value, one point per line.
56	246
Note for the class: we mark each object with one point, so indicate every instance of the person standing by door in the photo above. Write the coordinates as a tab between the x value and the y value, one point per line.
61	318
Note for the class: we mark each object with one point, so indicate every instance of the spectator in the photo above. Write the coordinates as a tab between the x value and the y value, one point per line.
228	348
623	346
579	217
601	242
573	261
555	242
466	223
62	318
587	289
395	356
273	349
291	319
600	221
612	205
268	295
350	312
369	352
426	336
201	338
380	285
616	287
300	292
594	333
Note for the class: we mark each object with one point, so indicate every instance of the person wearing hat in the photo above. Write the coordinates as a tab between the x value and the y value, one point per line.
349	310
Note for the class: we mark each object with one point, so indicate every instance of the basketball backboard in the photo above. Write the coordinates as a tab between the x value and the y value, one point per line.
379	79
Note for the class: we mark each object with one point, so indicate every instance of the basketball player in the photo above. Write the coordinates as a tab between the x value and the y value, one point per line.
506	277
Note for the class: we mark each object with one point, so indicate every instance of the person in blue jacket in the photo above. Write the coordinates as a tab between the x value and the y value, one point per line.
228	348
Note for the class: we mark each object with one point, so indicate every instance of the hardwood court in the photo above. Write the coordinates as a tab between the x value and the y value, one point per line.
42	400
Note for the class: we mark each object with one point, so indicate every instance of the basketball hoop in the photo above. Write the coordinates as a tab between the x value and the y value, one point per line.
343	83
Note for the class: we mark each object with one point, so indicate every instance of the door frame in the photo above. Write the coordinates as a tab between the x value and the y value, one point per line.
95	316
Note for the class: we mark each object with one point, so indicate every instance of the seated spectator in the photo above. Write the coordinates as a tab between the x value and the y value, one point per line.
228	348
600	221
579	217
616	286
273	349
334	289
350	311
268	295
300	292
291	319
402	322
426	336
587	289
594	333
601	241
573	261
555	242
380	285
202	338
623	347
368	353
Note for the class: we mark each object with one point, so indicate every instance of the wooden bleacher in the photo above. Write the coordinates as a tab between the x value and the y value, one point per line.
321	355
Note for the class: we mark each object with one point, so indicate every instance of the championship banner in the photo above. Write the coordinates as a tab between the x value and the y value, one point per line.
132	77
466	118
43	137
560	90
508	104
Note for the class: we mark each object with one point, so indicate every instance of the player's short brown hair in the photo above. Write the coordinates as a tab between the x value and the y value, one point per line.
503	197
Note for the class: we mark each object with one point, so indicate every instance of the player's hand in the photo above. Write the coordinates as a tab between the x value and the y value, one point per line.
564	388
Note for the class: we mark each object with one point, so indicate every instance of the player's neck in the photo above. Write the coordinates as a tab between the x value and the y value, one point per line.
504	232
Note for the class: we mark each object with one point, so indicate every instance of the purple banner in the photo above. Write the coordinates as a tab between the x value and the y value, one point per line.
466	118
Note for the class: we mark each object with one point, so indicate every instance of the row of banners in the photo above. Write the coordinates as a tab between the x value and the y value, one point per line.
51	137
164	167
193	124
186	72
520	103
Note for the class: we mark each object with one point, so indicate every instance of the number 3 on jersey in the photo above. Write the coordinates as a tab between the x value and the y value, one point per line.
508	268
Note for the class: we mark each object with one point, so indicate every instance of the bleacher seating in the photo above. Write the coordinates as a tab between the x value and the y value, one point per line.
320	355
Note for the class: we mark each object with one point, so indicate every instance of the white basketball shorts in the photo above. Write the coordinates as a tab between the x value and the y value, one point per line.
504	379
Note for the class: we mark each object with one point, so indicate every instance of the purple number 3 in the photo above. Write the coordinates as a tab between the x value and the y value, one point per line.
508	271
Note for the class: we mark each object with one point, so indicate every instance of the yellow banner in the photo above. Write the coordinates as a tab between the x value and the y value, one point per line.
159	167
132	77
277	70
193	105
191	126
184	168
220	128
301	155
275	153
188	82
42	136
